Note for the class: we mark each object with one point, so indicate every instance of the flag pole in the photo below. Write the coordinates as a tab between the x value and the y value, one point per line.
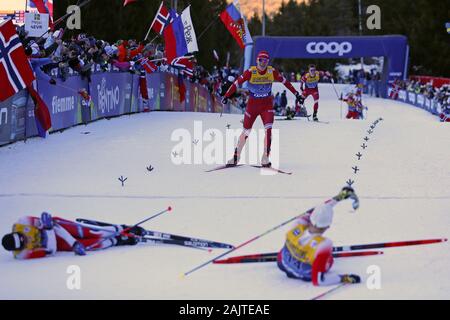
153	22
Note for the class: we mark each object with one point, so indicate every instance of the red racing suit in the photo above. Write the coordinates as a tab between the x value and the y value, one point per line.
260	102
40	242
311	87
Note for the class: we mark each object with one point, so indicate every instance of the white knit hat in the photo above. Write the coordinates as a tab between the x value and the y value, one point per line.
322	216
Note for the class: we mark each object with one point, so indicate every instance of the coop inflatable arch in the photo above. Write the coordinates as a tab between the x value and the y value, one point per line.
394	48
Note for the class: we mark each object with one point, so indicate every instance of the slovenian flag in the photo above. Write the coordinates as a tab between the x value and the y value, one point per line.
235	22
180	36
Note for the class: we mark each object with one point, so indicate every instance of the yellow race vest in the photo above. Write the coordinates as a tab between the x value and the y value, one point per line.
303	247
311	82
260	85
257	78
32	237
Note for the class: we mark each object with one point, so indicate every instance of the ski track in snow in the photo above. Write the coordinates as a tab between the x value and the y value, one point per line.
403	184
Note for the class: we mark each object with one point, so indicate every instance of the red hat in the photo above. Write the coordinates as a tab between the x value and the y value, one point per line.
263	54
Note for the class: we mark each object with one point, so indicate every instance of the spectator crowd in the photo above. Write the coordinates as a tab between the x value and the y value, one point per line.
53	58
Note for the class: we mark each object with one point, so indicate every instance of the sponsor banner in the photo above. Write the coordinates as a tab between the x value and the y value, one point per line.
217	105
172	101
135	103
420	100
188	106
402	95
153	89
5	122
412	98
63	101
199	97
111	94
12	118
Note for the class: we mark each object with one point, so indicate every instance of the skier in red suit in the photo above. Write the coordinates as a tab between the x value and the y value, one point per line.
260	103
395	90
34	237
310	86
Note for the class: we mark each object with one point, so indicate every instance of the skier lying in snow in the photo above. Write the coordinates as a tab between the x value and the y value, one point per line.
34	237
307	254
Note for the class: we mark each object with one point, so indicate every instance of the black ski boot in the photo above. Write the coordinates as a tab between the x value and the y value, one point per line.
233	162
137	231
265	162
126	241
315	116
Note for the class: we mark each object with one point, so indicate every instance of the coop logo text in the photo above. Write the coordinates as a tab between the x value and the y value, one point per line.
329	47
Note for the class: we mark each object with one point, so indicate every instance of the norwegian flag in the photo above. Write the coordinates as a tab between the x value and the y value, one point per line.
185	64
162	19
148	65
15	70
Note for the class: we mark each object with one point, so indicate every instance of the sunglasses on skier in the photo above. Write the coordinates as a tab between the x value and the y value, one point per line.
263	60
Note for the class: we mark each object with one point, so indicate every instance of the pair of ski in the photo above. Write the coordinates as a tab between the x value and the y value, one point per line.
299	118
228	166
338	252
156	237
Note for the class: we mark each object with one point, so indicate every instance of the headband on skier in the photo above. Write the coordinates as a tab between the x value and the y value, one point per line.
13	241
263	55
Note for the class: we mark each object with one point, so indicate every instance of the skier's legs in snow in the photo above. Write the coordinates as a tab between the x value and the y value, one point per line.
315	94
250	116
267	118
100	237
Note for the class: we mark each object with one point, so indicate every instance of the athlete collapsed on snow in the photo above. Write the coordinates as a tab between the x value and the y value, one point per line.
34	237
260	103
307	254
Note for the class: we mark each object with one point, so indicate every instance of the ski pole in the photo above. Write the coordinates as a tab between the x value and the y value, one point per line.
124	232
147	219
334	88
387	245
245	243
320	296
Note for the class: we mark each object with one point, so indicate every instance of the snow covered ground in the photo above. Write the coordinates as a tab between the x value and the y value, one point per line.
404	186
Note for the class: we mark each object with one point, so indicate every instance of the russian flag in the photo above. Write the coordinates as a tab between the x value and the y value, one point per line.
236	25
180	36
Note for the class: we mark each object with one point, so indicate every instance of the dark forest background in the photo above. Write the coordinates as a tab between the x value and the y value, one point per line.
422	21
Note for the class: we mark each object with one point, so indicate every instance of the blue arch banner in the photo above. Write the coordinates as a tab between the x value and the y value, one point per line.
393	47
